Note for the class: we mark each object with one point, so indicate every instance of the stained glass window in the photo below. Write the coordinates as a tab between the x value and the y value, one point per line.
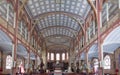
8	62
52	56
57	56
63	56
107	62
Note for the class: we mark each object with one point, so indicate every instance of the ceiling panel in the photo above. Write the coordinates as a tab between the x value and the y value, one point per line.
58	20
58	32
74	6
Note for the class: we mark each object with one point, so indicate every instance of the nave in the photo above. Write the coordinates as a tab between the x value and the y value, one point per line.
59	37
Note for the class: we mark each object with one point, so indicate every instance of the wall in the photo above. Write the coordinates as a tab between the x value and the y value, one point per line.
5	71
3	63
115	62
112	70
117	59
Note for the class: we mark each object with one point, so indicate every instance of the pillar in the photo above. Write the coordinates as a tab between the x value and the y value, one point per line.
54	56
87	61
86	58
14	46
28	62
44	54
36	61
99	24
60	56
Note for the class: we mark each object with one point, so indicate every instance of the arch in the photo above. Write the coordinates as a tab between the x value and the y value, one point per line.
82	56
93	51
113	26
64	36
66	27
32	56
5	36
58	40
112	41
8	62
22	50
59	35
5	42
58	12
58	46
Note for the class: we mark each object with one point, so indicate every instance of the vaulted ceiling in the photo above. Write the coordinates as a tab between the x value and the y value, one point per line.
58	20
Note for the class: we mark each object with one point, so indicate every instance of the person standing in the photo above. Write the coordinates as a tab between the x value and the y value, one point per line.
21	67
72	67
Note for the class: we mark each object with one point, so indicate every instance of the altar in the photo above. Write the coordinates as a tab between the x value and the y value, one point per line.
58	71
58	68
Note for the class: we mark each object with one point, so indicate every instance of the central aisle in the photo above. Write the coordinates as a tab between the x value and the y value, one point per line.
58	72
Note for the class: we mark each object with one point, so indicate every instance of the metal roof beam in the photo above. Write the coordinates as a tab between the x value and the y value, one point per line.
22	6
76	17
66	27
55	35
71	31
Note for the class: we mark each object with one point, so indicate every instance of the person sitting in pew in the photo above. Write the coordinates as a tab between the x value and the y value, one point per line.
72	67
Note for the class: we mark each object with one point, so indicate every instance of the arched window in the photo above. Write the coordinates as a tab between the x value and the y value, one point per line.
7	11
57	56
107	62
23	30
8	62
63	56
52	56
